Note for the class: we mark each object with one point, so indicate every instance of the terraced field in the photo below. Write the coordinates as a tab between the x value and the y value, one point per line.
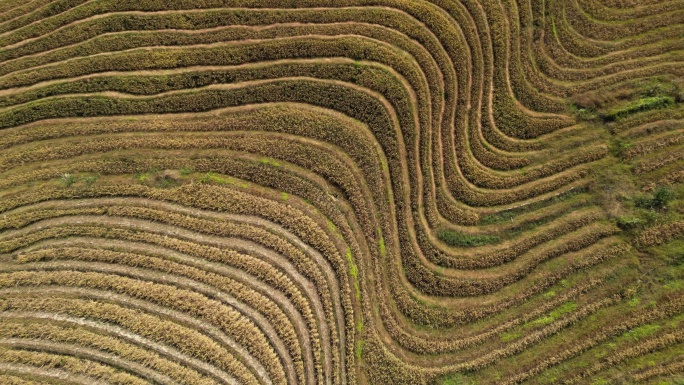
342	192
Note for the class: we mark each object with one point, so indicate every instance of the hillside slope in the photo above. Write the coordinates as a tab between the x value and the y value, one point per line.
341	192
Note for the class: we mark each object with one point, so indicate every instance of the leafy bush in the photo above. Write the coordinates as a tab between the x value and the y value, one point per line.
661	197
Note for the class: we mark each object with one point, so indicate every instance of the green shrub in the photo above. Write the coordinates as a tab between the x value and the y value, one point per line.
661	197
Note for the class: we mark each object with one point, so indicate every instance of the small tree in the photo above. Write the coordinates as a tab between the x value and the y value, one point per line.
662	196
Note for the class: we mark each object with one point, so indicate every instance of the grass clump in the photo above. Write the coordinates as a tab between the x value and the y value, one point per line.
358	350
90	179
163	178
211	177
270	161
642	331
353	269
497	217
67	179
354	272
185	171
617	147
455	379
630	222
563	309
453	238
541	321
510	336
674	251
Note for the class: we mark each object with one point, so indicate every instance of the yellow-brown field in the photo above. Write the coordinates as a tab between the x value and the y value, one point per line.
371	192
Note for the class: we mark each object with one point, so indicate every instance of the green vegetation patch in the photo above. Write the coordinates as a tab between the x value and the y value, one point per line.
617	147
68	179
358	350
270	161
507	215
453	238
563	309
210	177
642	104
641	332
659	199
510	336
381	245
627	98
455	379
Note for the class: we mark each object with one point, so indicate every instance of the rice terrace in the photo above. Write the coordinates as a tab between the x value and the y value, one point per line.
341	192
